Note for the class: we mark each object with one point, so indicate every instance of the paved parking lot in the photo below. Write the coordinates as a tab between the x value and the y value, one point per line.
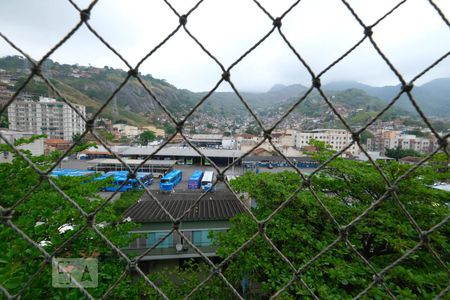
187	172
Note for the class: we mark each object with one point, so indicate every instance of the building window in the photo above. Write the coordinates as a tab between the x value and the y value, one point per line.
155	237
200	238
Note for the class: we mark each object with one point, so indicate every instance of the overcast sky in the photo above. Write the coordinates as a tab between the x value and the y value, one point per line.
321	30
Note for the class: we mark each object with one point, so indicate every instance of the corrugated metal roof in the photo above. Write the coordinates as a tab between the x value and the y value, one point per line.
181	151
217	206
207	137
132	162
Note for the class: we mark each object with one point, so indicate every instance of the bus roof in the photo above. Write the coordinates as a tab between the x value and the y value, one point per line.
208	176
196	175
123	174
71	172
171	174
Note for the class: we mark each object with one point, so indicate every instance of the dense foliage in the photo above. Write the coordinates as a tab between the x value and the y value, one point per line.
49	220
303	228
300	230
146	137
398	153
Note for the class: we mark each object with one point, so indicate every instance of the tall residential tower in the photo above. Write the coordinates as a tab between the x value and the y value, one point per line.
47	116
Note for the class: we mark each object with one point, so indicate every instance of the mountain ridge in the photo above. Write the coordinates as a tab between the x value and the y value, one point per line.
92	86
433	96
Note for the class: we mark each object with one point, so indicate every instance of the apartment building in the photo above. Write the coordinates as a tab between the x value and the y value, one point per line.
337	138
393	139
47	116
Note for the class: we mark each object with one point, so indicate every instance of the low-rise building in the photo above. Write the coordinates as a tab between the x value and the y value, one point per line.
210	216
374	155
284	137
184	154
126	130
228	142
337	138
387	139
207	140
56	144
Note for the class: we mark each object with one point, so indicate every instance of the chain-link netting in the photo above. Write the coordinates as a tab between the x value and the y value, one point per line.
260	225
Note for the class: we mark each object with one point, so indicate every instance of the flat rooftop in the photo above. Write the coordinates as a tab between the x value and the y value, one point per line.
181	151
132	162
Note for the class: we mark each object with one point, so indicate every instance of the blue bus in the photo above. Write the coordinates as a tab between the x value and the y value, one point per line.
71	173
195	181
119	177
170	180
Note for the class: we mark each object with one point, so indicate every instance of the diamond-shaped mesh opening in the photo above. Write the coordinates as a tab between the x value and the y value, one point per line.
217	13
432	36
264	268
338	273
316	231
414	276
141	17
383	234
271	106
172	64
323	37
267	245
219	114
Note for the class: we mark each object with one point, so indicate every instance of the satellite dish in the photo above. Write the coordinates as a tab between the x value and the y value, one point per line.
179	247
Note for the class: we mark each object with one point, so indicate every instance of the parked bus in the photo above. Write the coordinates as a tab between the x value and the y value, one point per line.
207	180
119	177
170	180
71	173
195	181
157	167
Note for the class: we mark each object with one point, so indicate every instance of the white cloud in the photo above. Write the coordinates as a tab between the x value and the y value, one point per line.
412	37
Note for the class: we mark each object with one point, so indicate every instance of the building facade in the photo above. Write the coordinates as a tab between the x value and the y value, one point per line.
199	227
394	139
126	130
47	116
337	138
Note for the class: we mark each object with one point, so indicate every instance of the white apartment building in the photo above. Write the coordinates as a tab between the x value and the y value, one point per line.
404	141
412	142
47	116
337	138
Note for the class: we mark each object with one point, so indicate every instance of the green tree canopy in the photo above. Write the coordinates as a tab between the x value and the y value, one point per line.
169	129
146	137
49	219
398	153
303	228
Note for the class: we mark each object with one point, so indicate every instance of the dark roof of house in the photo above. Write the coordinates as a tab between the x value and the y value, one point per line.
216	206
